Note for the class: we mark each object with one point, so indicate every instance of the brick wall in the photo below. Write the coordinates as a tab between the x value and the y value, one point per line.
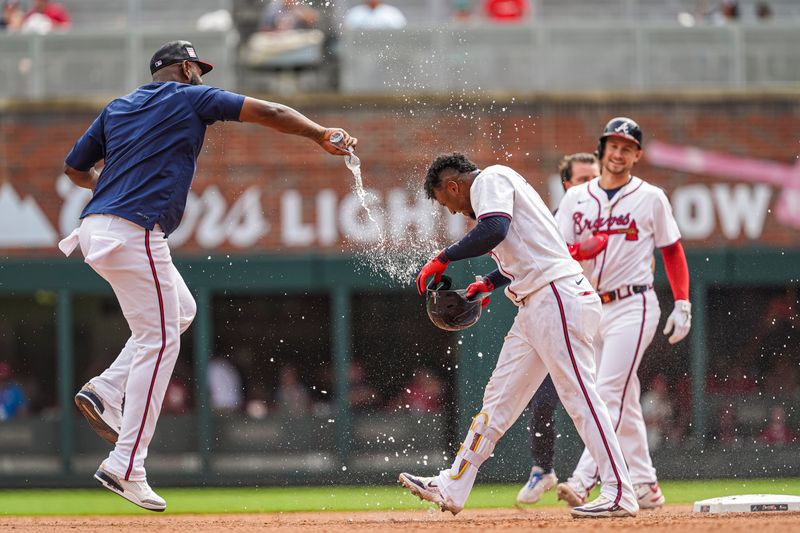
399	137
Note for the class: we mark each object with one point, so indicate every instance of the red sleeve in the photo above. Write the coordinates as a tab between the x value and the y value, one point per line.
677	270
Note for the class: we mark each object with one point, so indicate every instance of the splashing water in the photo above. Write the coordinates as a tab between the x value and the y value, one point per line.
354	164
397	257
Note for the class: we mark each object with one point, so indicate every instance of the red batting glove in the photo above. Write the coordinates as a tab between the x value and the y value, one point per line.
435	267
480	285
589	248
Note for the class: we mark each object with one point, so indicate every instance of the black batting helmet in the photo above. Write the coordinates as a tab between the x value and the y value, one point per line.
451	310
624	127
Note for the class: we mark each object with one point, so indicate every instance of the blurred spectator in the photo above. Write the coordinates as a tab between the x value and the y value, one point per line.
462	9
777	433
44	16
257	403
725	13
291	398
506	10
728	426
176	398
423	394
763	11
284	15
362	394
224	385
657	411
13	402
374	15
288	38
682	408
733	380
773	341
12	16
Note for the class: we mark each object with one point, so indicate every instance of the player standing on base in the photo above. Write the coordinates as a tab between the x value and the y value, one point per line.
150	140
636	217
557	317
574	169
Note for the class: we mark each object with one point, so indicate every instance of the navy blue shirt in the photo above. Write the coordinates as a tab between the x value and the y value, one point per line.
150	141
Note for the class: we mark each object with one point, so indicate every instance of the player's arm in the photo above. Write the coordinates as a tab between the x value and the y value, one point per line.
82	178
588	248
680	320
287	120
79	165
485	236
583	250
677	270
668	238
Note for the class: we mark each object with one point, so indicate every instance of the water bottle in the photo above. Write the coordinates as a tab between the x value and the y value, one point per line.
351	161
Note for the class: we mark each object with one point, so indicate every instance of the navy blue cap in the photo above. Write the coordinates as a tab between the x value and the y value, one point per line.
176	52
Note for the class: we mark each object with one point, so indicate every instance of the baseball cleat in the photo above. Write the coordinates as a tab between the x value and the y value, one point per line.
572	493
601	507
425	488
649	495
104	419
137	492
538	483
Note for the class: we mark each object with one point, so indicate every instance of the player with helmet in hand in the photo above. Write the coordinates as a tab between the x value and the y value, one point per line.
558	313
149	141
574	169
637	218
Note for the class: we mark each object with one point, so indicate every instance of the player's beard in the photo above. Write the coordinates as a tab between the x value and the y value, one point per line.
195	80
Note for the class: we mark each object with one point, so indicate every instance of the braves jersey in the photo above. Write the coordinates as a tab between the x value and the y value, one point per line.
533	253
150	141
637	219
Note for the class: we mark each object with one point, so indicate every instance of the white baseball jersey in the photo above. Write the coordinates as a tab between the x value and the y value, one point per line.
533	253
637	219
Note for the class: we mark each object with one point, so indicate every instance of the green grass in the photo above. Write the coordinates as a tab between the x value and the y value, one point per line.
292	499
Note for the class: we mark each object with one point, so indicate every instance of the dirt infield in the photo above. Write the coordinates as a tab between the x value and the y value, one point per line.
673	518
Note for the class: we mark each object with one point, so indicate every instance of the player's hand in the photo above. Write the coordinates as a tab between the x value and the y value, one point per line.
681	320
435	267
480	284
341	147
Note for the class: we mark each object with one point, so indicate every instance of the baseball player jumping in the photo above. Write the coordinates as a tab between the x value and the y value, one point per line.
636	217
557	317
150	140
574	169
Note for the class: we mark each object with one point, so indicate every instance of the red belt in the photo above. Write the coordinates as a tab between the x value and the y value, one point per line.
624	292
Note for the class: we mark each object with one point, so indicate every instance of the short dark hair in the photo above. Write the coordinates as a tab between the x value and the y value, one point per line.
565	165
456	161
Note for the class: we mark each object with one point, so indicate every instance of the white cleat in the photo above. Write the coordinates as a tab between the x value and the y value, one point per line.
538	483
649	495
105	420
601	507
425	488
137	492
572	492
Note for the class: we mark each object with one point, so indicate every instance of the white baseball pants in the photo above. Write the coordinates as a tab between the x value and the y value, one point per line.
626	330
158	307
552	333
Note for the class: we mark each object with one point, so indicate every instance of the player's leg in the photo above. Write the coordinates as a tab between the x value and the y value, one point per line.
628	327
567	319
542	477
631	427
101	400
518	373
141	272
